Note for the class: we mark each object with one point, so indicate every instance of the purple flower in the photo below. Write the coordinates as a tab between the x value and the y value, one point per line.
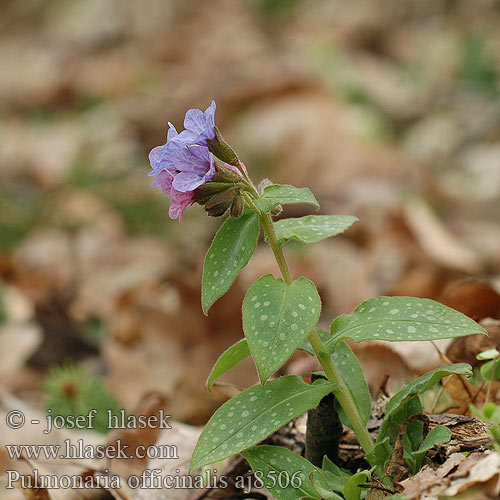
184	162
199	127
195	165
192	166
180	200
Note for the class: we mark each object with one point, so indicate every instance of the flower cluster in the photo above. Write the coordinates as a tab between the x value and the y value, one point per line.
184	162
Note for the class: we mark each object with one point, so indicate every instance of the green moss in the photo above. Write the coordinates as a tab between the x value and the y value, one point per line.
144	215
478	70
3	312
20	214
277	7
69	391
82	175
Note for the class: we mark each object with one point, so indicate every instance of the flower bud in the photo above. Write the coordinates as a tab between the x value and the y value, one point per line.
276	210
222	150
207	190
263	184
225	174
237	207
218	204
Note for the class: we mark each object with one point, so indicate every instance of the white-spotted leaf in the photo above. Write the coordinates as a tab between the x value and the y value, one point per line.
313	228
402	318
293	471
347	365
278	194
227	360
277	317
230	251
254	414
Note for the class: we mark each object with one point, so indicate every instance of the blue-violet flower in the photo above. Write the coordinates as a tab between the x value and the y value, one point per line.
184	162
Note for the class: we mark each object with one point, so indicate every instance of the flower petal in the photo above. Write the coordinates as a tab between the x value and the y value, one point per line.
155	156
201	125
164	181
187	181
194	121
172	132
178	205
210	115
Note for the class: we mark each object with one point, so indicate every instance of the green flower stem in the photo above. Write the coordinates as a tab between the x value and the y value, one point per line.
342	393
267	225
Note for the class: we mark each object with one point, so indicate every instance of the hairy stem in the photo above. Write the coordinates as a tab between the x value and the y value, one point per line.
342	393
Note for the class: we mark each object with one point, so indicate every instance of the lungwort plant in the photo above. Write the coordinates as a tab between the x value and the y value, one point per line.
280	315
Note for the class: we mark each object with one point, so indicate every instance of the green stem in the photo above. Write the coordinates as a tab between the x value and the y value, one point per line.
342	393
267	225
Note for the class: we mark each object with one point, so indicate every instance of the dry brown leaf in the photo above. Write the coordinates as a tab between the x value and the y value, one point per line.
149	406
436	240
478	472
475	299
428	479
485	469
465	349
379	362
18	342
184	438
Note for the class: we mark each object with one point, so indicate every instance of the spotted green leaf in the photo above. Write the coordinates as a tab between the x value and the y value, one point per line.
312	228
278	194
227	360
230	251
402	318
284	474
277	317
347	365
254	414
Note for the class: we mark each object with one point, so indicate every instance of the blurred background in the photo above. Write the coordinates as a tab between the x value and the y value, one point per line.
389	111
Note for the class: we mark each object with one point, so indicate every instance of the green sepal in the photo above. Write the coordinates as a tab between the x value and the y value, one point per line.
222	150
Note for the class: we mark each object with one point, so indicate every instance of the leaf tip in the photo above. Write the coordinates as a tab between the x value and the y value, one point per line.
205	305
484	331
